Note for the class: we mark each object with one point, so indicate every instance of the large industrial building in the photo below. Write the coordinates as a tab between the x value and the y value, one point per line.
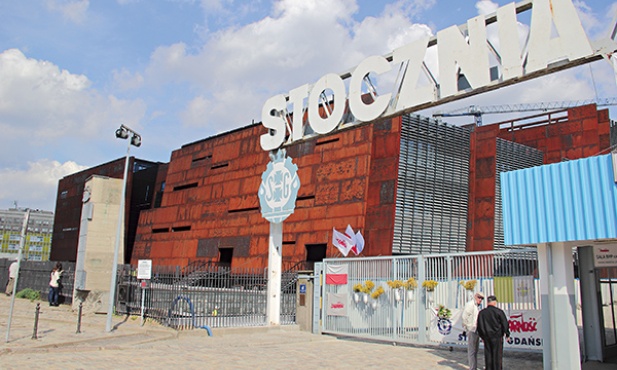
411	185
142	192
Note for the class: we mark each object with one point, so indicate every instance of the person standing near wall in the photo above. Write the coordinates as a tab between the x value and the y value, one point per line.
54	285
492	327
470	322
12	277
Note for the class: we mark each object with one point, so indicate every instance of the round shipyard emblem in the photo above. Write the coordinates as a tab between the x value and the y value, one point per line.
279	188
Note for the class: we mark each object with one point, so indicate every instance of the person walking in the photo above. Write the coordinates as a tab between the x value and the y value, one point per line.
492	327
54	285
470	322
12	276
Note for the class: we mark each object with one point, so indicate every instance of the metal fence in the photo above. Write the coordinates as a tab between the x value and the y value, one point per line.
36	275
404	315
204	295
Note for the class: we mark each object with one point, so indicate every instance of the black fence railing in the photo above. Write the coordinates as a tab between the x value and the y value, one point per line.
36	275
204	295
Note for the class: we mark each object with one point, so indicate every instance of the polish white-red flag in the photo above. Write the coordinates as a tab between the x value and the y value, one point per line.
336	274
343	242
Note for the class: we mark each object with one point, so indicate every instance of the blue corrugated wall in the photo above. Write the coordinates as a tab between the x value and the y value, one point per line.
568	201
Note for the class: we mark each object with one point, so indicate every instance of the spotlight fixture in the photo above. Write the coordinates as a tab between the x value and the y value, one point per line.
121	133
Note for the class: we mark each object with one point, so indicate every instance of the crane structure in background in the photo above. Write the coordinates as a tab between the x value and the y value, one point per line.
478	111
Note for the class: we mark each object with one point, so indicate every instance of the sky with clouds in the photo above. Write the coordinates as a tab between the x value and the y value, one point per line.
177	71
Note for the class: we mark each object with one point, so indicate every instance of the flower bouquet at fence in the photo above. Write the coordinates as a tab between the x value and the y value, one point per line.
375	295
429	285
396	286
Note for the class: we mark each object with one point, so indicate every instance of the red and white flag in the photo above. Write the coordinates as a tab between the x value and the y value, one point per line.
359	247
348	241
343	242
336	274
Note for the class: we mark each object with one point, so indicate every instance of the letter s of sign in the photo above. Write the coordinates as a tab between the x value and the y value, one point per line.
272	118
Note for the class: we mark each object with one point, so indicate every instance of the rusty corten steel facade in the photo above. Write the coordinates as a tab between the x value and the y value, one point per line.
139	194
210	200
210	210
582	132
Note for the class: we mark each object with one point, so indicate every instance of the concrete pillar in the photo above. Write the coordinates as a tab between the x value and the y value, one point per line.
590	301
275	262
304	301
560	334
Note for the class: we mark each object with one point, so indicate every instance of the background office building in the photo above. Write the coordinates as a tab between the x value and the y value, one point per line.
38	238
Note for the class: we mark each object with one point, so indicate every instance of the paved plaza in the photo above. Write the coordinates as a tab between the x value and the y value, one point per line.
151	346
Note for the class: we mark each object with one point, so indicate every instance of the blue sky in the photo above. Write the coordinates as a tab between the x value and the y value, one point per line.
177	71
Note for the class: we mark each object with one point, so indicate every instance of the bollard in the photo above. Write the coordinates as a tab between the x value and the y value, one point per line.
36	320
79	319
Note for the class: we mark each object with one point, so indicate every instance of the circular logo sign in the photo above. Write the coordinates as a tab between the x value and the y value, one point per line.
279	188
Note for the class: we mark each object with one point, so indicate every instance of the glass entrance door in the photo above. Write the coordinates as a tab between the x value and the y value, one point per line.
608	297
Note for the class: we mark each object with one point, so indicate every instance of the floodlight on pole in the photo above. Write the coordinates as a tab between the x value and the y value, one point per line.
121	133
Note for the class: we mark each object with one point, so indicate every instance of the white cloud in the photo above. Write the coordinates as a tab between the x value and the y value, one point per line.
486	7
50	103
298	43
35	186
73	10
125	80
49	116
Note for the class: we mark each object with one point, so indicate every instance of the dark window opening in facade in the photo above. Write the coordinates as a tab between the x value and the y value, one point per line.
225	256
315	253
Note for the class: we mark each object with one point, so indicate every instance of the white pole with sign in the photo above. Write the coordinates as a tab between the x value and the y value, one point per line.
144	272
277	196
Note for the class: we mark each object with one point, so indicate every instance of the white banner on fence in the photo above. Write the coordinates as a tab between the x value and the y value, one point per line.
447	330
525	329
337	304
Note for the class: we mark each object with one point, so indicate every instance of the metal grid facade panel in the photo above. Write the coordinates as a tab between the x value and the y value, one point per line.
568	201
432	192
510	156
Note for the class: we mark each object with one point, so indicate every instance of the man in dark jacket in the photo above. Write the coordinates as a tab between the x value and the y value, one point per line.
492	326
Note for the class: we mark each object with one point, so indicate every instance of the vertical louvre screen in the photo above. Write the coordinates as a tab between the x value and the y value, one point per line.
432	192
510	157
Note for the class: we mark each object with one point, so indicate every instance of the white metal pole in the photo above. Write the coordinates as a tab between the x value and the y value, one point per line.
114	268
22	241
273	302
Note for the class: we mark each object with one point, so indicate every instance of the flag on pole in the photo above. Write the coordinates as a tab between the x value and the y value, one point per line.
342	242
348	241
359	247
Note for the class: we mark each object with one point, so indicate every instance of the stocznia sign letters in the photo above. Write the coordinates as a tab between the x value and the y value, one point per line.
461	51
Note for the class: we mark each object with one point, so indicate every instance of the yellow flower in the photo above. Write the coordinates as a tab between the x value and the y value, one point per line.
469	285
395	284
379	291
429	285
411	284
357	287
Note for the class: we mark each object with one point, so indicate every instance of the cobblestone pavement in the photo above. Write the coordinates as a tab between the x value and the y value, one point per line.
151	346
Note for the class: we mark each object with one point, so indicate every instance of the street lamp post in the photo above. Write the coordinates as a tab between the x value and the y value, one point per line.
121	133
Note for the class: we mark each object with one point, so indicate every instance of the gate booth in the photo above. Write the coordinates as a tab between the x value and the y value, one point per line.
558	207
599	297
